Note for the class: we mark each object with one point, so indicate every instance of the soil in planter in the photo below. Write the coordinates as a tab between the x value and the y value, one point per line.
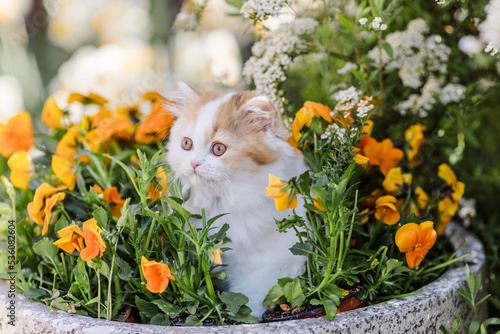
286	312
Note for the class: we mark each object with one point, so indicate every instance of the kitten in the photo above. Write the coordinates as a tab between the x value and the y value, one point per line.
222	147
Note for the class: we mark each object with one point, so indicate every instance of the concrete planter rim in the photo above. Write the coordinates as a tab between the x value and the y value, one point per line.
438	303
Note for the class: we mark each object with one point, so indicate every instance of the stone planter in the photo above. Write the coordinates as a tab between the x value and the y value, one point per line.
438	304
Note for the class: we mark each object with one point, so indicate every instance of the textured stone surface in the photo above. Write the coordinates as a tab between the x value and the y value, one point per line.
438	303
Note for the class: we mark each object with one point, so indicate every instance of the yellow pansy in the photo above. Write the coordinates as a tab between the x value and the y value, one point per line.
52	114
281	198
64	171
395	180
21	169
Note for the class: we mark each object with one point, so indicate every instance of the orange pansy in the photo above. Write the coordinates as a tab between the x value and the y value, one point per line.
156	124
415	240
70	239
51	114
446	173
382	154
36	210
303	118
17	135
68	145
94	245
281	198
217	256
318	205
447	209
64	171
319	110
156	274
385	209
49	205
111	196
21	169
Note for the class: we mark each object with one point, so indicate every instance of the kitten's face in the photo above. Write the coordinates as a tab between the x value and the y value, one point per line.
217	137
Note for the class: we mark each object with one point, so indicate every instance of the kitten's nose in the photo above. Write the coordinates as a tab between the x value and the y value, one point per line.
194	164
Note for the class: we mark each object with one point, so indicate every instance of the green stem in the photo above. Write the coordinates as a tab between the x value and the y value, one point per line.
151	228
109	301
380	75
98	294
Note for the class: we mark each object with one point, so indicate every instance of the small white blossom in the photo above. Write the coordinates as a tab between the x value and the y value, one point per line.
376	22
272	56
491	49
363	21
440	2
347	68
452	93
383	26
262	9
490	28
467	210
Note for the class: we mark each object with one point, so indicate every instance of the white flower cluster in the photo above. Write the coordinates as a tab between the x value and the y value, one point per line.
75	23
334	131
432	92
376	23
347	68
414	55
490	28
189	16
262	9
272	56
491	49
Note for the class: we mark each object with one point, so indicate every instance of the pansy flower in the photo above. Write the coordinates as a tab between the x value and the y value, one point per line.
94	245
415	240
217	256
386	210
113	198
303	118
21	169
281	198
422	199
91	98
156	124
414	136
40	209
70	239
156	274
382	154
51	114
16	135
446	174
395	180
65	171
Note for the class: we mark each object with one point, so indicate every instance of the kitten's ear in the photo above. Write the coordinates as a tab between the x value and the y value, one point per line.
177	100
261	110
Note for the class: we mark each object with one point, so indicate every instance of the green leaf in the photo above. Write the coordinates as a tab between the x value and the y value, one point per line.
274	297
388	48
349	26
169	309
92	301
474	327
125	272
235	3
298	301
45	248
483	329
444	330
160	320
456	325
234	301
492	321
292	290
146	309
192	320
101	216
392	264
61	223
330	309
34	293
302	248
177	207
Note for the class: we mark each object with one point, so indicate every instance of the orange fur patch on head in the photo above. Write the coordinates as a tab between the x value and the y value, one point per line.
241	131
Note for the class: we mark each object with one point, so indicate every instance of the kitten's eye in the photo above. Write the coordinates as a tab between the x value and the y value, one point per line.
187	144
218	149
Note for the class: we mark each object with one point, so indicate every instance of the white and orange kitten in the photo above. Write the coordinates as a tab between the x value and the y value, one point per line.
222	147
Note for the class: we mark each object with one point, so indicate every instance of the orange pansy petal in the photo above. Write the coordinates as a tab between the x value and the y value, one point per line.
17	135
21	169
51	114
